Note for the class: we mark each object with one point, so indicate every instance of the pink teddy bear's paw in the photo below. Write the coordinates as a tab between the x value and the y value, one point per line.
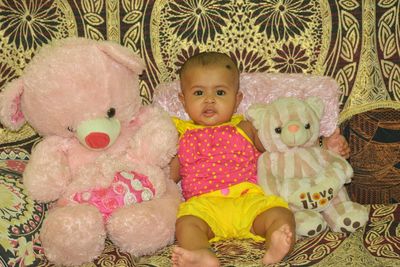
156	140
73	235
148	226
143	228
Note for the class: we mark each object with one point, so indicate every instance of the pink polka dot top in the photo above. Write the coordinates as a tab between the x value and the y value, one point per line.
214	158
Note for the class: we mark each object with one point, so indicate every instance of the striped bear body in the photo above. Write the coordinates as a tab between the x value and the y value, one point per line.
304	177
296	168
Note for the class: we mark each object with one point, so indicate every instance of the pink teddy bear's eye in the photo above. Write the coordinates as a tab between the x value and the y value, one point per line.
111	113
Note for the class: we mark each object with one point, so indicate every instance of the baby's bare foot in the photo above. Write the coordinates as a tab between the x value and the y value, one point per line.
194	258
280	244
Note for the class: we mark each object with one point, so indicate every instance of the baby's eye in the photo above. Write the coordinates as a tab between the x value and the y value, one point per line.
70	129
220	92
198	93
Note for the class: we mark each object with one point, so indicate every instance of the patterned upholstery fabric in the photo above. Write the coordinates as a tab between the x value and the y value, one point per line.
355	42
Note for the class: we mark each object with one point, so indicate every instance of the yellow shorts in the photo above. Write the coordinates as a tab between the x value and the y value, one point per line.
231	215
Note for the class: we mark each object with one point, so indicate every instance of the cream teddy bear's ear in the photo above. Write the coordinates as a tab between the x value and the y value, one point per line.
316	104
123	56
11	115
255	114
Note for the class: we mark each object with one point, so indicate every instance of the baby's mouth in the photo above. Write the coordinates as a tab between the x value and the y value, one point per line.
209	112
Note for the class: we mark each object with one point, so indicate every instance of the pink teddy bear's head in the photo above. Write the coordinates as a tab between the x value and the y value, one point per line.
48	94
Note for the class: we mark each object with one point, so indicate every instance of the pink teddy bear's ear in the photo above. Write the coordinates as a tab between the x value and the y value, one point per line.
11	115
123	56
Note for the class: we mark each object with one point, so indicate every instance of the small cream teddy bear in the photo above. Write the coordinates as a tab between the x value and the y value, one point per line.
296	168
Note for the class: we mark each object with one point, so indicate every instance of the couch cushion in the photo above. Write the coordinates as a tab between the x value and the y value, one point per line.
374	245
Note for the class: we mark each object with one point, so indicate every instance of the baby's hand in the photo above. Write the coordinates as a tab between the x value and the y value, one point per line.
337	143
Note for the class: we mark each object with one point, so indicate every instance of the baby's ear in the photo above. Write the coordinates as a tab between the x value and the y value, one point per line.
255	114
181	98
239	99
122	55
11	115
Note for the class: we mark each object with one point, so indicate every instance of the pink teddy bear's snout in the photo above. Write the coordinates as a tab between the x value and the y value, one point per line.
98	134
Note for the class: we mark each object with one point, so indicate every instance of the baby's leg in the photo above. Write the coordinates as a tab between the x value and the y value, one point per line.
194	249
278	227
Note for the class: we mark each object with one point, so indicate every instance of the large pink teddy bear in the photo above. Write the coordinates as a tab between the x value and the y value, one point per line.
104	157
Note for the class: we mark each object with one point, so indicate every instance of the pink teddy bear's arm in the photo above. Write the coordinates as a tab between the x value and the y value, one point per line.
47	173
156	140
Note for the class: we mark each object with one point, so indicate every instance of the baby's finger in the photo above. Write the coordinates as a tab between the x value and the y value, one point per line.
336	132
346	153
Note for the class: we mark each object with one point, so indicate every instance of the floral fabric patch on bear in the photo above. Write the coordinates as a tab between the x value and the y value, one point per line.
127	188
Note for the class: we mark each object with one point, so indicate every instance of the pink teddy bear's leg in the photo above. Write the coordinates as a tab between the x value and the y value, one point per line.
148	226
73	235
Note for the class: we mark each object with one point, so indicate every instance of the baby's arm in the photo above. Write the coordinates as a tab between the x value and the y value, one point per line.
337	143
251	132
174	170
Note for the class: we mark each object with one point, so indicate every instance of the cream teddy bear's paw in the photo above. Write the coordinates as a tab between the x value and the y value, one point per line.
309	223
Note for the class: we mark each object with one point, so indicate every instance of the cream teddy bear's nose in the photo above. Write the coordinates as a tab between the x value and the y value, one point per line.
293	128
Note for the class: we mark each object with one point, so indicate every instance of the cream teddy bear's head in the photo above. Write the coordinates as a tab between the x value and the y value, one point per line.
287	122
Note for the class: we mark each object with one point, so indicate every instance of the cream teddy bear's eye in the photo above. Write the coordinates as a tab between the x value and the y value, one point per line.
278	130
307	126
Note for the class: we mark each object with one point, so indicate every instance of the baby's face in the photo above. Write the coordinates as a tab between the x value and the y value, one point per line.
210	94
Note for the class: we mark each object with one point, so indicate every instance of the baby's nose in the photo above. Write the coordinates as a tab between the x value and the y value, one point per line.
210	99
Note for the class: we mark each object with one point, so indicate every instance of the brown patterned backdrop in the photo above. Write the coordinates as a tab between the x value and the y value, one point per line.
356	42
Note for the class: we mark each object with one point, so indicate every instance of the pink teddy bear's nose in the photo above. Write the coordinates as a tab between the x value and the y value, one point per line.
97	140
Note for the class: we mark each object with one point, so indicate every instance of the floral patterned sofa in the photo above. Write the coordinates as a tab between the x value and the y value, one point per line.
355	42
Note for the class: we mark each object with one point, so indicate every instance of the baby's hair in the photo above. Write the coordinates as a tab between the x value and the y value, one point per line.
210	58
